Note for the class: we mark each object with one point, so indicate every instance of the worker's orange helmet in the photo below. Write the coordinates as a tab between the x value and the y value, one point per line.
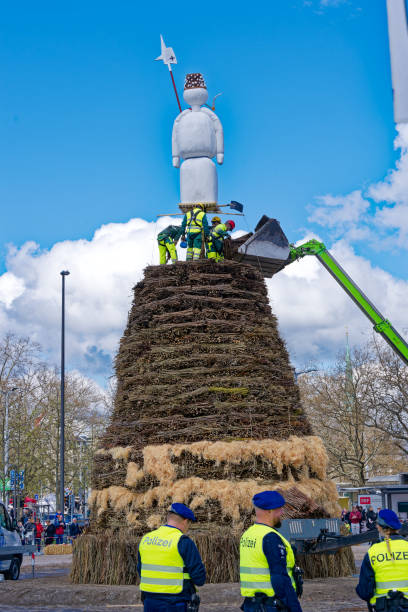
231	223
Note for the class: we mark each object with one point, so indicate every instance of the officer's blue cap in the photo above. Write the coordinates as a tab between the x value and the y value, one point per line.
268	500
388	518
183	510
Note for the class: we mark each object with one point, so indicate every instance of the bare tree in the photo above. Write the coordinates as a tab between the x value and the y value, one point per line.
386	402
336	402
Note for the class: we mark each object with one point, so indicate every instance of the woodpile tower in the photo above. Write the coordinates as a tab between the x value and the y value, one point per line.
208	413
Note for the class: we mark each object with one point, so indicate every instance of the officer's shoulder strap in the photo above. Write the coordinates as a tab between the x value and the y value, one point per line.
284	540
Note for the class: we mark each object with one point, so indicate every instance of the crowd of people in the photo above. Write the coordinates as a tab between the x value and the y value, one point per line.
360	519
33	531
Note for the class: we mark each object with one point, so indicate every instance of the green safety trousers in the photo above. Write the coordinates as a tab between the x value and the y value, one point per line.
194	244
167	247
215	249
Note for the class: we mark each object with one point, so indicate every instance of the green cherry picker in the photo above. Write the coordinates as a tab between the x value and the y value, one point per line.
268	249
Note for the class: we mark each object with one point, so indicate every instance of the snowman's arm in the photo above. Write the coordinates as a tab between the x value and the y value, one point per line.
174	141
219	133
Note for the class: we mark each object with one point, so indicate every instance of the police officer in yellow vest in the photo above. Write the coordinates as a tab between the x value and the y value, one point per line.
169	565
195	226
383	580
267	561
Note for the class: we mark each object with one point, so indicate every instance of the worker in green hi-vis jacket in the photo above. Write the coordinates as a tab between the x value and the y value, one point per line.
215	244
195	227
167	240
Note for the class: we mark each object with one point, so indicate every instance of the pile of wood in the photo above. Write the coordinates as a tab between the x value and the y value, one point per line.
207	412
202	359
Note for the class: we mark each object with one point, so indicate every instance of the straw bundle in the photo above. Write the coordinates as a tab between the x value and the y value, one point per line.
58	549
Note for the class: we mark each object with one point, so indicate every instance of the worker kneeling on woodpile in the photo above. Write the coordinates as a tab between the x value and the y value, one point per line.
270	582
195	227
383	580
215	245
167	240
169	565
214	222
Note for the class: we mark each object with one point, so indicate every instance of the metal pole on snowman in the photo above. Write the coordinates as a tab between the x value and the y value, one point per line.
169	58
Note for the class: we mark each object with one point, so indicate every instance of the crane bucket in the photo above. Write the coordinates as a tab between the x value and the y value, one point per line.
267	249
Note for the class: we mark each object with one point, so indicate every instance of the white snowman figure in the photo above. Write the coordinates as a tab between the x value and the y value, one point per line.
197	138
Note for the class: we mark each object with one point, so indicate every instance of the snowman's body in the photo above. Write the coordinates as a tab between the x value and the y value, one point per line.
197	138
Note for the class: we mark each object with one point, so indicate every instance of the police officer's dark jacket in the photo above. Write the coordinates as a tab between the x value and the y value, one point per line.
381	571
193	566
275	554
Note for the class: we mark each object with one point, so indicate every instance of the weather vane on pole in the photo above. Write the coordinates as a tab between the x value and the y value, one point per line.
169	58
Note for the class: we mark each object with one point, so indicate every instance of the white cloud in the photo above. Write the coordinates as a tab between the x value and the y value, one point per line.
11	287
98	291
312	310
333	2
378	215
323	4
392	195
340	212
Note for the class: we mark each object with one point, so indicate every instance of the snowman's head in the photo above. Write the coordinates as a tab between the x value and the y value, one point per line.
195	91
195	97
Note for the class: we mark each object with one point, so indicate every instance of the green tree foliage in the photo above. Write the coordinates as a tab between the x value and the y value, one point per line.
34	418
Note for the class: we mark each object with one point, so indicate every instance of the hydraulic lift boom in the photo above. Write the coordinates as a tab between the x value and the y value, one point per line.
269	250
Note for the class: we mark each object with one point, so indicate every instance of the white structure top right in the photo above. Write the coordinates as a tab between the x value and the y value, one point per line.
398	36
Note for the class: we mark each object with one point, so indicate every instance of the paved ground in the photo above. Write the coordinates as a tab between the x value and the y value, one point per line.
51	591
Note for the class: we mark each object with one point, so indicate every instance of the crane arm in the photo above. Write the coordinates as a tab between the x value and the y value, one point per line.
381	324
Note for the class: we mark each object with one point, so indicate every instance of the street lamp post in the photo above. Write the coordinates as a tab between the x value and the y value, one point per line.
83	441
64	273
297	374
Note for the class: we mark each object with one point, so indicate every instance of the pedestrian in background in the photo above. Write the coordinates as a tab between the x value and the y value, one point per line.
29	531
38	533
74	529
371	518
355	519
49	533
20	530
363	513
59	528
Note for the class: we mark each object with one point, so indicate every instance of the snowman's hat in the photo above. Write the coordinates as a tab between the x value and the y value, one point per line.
194	80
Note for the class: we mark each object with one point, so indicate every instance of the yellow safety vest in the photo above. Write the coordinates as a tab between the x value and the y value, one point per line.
195	220
221	227
254	571
391	571
162	565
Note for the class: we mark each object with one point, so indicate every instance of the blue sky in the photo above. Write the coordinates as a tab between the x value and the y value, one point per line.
86	114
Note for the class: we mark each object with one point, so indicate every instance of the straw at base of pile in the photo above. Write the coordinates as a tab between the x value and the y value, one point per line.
112	559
